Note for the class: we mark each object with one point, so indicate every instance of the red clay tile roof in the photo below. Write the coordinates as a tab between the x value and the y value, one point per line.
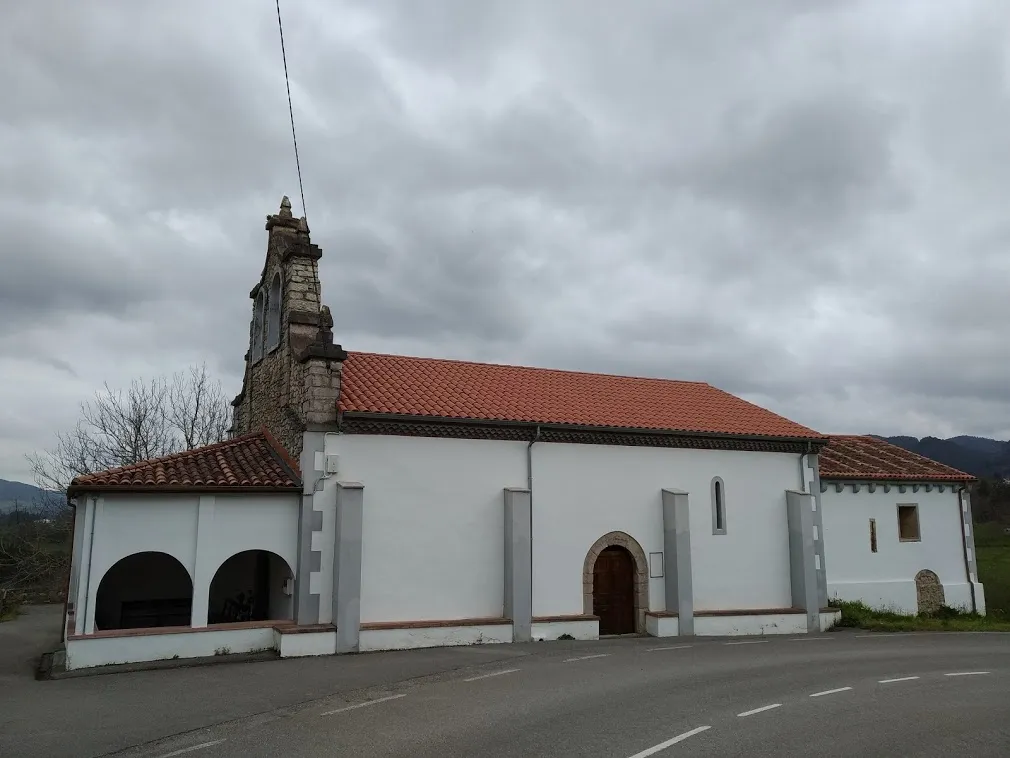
391	384
250	462
859	457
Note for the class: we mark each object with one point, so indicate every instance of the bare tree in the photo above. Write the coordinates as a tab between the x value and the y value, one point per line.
198	409
150	419
34	556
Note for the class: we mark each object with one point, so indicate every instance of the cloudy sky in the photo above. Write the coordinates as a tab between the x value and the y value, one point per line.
801	202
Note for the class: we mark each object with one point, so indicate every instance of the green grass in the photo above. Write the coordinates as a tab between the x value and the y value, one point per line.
861	616
992	549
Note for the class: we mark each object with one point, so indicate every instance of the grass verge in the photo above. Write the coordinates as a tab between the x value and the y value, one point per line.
860	616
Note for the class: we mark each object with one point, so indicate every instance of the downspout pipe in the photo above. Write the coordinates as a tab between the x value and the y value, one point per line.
964	547
803	467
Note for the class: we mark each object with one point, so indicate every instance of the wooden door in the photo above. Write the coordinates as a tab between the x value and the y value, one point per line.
614	591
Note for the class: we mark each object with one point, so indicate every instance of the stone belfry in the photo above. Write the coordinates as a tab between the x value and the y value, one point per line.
292	368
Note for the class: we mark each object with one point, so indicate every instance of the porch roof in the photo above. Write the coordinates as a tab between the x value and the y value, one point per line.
252	462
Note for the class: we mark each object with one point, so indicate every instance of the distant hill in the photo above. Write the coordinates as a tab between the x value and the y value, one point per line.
979	456
11	491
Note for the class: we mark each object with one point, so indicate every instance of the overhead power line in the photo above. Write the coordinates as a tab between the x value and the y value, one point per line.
291	111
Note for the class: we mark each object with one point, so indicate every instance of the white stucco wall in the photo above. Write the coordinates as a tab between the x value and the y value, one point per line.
433	524
886	579
200	531
581	492
433	521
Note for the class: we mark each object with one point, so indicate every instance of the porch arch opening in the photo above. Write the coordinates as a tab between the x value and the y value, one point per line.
615	584
142	590
253	585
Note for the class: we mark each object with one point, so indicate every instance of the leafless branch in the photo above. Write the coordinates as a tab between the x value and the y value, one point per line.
150	419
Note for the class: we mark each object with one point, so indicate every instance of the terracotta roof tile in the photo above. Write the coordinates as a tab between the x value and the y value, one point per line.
252	461
391	384
862	457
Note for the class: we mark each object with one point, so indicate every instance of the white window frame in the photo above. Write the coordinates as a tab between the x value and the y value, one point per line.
718	494
918	523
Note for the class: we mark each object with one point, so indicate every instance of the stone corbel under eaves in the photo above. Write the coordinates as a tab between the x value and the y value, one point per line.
856	486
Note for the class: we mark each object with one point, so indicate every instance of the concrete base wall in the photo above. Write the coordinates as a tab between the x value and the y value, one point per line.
580	629
829	619
102	651
305	644
662	626
731	626
404	638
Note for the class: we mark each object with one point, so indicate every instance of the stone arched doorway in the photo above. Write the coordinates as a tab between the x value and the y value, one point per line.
928	592
621	559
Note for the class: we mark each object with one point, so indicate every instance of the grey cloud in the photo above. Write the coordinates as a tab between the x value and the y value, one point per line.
812	163
801	202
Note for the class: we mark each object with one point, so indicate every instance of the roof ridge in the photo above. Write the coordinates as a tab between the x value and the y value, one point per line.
189	452
464	362
281	454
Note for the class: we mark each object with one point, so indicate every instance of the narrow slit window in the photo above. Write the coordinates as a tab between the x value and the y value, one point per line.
718	506
873	535
256	336
908	523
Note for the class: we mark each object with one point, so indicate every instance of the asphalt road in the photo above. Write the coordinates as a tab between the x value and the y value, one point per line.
640	697
628	698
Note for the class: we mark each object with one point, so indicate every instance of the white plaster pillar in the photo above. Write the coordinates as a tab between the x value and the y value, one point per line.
94	577
518	604
82	557
203	567
347	565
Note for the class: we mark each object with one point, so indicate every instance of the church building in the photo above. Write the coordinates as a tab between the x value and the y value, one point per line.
369	502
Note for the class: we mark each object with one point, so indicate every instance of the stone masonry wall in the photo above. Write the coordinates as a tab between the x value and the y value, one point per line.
298	382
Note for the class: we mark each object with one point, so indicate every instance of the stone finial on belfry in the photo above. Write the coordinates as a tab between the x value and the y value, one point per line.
325	319
285	208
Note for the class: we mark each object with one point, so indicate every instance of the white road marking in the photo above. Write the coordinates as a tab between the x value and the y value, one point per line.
191	749
760	710
831	692
674	741
899	679
674	647
805	639
586	657
746	642
967	673
488	676
362	705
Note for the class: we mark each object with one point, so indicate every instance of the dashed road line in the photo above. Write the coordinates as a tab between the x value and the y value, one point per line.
664	745
831	692
586	657
673	647
808	639
967	673
747	642
362	705
898	679
762	709
190	749
488	676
